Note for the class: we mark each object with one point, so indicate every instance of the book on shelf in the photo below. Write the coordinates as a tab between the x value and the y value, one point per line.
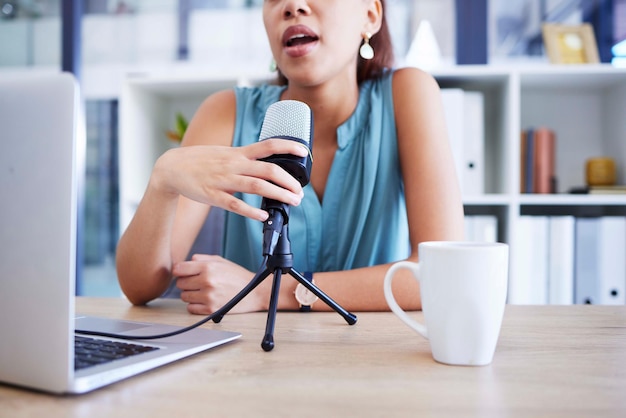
537	165
464	113
615	189
527	150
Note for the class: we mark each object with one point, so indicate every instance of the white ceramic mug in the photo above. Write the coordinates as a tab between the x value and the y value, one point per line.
463	289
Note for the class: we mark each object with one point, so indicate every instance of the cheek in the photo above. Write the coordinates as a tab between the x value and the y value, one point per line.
343	37
268	25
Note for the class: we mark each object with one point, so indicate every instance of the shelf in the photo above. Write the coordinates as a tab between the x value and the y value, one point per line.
572	200
189	82
580	77
487	199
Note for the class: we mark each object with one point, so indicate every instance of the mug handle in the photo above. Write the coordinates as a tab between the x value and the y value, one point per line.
391	301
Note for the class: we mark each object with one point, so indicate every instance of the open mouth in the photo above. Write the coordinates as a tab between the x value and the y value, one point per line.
300	39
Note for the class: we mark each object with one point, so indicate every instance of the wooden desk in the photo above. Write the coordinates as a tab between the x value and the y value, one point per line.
550	362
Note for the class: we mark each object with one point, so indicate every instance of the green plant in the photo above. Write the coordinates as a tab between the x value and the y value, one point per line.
177	134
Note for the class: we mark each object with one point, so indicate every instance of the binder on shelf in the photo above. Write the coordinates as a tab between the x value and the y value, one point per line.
453	106
600	262
561	260
587	231
465	121
529	283
612	260
481	228
474	145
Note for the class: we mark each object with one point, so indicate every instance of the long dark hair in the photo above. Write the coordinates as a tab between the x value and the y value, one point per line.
368	69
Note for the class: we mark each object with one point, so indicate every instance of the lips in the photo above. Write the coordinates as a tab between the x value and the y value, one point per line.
299	40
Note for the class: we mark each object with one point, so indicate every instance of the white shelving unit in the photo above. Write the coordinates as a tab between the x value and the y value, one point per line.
584	105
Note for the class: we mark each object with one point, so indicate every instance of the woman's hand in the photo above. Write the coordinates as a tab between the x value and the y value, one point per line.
207	282
211	174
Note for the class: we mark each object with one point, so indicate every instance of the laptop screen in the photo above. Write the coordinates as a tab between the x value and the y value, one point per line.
42	136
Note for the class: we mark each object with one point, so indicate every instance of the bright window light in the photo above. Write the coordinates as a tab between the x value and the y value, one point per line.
619	49
619	62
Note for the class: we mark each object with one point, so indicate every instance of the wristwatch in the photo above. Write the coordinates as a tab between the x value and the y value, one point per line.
304	296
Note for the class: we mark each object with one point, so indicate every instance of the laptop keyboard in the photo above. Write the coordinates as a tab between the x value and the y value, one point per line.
91	351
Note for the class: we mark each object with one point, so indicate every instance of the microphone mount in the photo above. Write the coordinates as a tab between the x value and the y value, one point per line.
278	260
273	225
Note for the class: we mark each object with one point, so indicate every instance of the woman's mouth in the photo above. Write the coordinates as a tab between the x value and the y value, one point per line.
299	40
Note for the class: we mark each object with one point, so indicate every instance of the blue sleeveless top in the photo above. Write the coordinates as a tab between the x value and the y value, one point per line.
362	220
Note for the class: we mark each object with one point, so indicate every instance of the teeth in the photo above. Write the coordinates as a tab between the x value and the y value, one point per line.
297	36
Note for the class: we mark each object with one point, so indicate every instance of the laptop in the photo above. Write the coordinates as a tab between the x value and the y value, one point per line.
42	151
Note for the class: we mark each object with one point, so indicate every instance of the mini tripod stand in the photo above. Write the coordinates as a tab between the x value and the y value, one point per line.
279	262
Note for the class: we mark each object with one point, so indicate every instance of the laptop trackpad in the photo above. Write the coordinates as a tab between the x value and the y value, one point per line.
114	326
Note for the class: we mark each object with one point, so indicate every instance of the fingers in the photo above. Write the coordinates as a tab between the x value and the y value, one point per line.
199	309
211	281
211	175
232	204
263	178
267	147
197	288
271	181
189	272
270	171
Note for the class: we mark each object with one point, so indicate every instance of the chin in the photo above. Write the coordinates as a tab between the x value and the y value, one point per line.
303	78
311	77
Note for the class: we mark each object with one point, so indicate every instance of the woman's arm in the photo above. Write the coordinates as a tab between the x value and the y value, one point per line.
185	183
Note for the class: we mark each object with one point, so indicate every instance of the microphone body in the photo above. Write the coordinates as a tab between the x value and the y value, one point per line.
291	120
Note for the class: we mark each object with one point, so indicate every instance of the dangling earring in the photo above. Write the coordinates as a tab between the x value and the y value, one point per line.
366	51
273	65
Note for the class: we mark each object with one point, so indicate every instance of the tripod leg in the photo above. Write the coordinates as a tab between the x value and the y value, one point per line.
349	317
268	340
258	278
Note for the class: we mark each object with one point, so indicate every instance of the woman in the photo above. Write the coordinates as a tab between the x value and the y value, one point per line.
382	179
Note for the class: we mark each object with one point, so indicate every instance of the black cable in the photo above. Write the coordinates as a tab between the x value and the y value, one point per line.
156	336
144	337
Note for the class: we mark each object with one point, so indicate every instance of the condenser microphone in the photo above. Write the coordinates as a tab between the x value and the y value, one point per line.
292	120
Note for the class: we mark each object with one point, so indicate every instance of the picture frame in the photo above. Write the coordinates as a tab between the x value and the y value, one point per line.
570	44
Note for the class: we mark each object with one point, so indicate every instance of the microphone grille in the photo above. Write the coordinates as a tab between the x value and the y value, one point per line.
287	118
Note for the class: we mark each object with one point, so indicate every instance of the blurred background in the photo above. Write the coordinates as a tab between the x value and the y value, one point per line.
104	41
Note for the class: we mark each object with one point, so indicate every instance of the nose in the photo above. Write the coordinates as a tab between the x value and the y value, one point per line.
294	8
